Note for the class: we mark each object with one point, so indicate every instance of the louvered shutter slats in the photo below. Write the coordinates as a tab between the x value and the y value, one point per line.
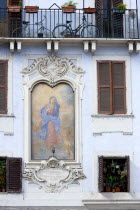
104	87
3	86
111	87
2	99
14	174
101	178
119	98
104	99
99	19
117	23
117	2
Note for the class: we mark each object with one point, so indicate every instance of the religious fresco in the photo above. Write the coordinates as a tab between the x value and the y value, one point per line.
53	122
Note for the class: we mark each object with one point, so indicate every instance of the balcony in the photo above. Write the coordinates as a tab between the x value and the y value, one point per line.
54	23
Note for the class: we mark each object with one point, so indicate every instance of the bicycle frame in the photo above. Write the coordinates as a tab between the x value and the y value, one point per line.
76	30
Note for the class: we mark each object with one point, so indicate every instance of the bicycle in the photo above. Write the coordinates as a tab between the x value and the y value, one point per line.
88	30
26	32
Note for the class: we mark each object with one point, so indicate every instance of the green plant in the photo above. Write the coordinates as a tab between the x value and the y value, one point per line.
20	3
2	174
121	6
70	3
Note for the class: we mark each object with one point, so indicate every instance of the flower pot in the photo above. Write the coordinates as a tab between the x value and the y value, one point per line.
71	36
108	189
15	9
31	9
118	11
68	9
113	190
118	189
89	10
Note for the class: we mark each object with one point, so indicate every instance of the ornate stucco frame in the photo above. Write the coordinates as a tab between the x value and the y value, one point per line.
52	70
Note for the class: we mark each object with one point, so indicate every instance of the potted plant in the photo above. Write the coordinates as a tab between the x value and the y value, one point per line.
120	9
31	9
69	7
89	10
108	183
15	8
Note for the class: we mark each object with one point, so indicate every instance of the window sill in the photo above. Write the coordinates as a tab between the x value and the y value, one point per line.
6	115
113	116
112	123
7	124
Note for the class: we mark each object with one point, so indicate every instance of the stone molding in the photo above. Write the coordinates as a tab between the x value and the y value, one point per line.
53	176
53	68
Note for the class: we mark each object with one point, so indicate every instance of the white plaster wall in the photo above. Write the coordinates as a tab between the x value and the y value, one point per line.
108	143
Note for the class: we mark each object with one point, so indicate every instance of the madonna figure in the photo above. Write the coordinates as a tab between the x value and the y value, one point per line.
51	123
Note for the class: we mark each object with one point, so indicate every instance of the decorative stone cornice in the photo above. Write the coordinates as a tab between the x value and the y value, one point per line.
53	68
53	176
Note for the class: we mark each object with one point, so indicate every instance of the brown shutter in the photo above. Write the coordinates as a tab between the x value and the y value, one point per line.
14	175
119	89
3	86
128	173
104	88
101	178
117	23
99	14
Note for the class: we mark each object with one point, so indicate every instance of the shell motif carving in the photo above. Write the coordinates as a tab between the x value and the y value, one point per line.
53	67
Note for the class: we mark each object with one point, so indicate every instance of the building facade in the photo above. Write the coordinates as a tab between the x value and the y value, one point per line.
69	105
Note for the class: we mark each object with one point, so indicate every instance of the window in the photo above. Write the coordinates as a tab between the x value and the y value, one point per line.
111	87
109	23
10	174
114	174
3	86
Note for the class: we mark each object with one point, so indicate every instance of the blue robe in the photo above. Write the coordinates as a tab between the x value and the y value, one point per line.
46	117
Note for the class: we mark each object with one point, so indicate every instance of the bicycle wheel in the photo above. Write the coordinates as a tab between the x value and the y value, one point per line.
61	31
19	32
90	31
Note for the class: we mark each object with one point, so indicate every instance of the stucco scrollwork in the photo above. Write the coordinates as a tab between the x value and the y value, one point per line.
53	67
53	176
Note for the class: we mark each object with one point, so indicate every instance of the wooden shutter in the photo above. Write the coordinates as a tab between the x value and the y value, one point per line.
117	23
14	175
119	89
99	16
101	178
128	173
104	88
3	86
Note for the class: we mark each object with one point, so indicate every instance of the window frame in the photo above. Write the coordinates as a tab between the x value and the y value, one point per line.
106	123
111	86
101	174
77	85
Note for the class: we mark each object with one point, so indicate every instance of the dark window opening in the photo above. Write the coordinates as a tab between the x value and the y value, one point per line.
114	174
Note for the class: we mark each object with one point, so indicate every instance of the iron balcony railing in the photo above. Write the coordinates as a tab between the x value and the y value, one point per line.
54	23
